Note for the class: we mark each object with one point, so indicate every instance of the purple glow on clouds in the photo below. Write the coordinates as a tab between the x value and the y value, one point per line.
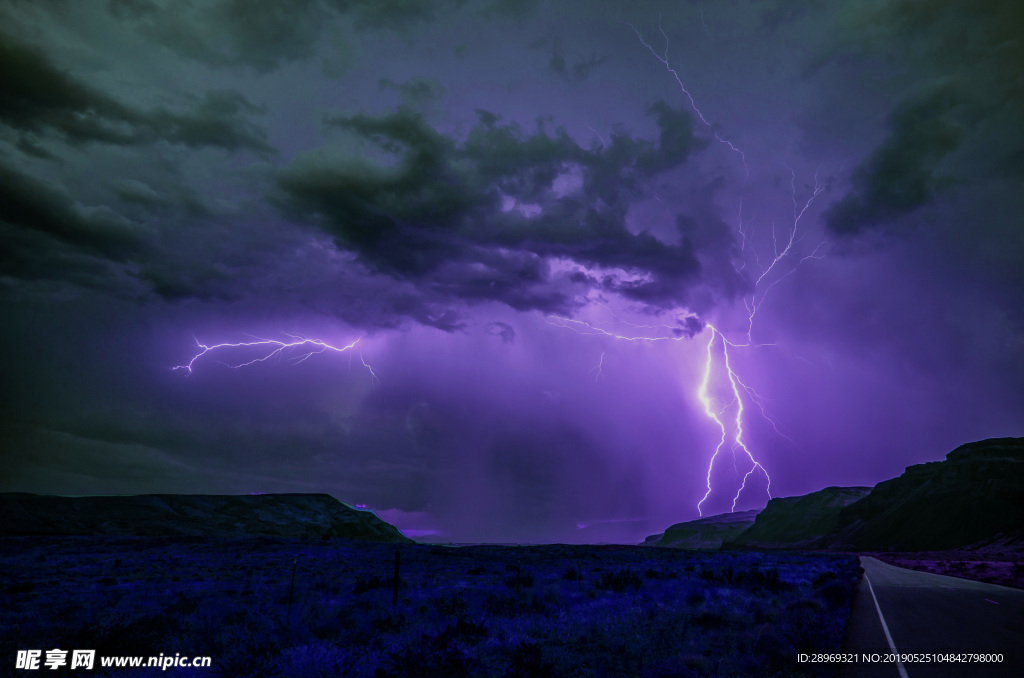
515	244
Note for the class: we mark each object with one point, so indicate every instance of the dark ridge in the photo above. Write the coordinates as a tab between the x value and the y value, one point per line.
971	499
789	522
704	533
306	516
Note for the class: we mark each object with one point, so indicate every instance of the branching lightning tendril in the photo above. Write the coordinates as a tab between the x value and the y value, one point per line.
294	352
663	58
718	347
727	413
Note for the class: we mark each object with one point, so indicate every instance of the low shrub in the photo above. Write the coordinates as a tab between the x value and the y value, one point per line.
619	580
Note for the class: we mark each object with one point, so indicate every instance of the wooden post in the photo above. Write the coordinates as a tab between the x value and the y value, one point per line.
291	589
579	576
394	581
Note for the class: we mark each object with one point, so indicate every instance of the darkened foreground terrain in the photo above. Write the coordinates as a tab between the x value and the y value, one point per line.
461	611
704	533
304	516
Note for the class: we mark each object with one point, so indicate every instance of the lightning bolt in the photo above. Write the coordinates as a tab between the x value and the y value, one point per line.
778	269
702	22
374	378
717	415
753	304
296	351
663	58
597	371
728	417
714	411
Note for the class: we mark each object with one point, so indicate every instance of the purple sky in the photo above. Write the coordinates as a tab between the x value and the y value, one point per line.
459	186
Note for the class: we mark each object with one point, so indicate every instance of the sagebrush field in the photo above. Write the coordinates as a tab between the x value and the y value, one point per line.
461	611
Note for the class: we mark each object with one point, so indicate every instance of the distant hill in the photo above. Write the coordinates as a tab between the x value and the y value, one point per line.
795	522
973	498
306	516
704	533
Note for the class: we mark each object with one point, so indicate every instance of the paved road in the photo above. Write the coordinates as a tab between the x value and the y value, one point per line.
932	613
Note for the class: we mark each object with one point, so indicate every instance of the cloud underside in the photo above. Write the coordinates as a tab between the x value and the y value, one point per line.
529	219
37	98
425	222
264	35
901	174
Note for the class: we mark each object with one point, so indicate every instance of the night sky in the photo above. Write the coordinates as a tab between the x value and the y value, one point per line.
537	240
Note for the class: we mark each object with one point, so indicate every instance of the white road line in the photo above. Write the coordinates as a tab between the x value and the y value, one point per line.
885	627
992	601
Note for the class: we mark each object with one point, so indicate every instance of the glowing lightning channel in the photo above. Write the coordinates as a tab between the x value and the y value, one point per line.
598	371
717	415
754	303
702	393
762	285
702	22
374	378
663	58
271	348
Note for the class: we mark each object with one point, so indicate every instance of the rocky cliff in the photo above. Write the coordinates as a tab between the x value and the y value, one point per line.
704	533
306	516
795	522
972	498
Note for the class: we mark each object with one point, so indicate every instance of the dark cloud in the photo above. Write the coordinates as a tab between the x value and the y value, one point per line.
415	93
41	267
31	204
577	71
37	97
260	34
777	13
131	9
48	236
394	15
265	34
963	62
134	191
688	326
177	280
27	145
440	240
503	330
509	8
900	175
217	120
480	219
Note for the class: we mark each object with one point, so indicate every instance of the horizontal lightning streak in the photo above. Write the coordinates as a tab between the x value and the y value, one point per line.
272	348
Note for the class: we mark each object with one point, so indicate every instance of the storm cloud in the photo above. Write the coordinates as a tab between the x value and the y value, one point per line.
514	265
481	218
